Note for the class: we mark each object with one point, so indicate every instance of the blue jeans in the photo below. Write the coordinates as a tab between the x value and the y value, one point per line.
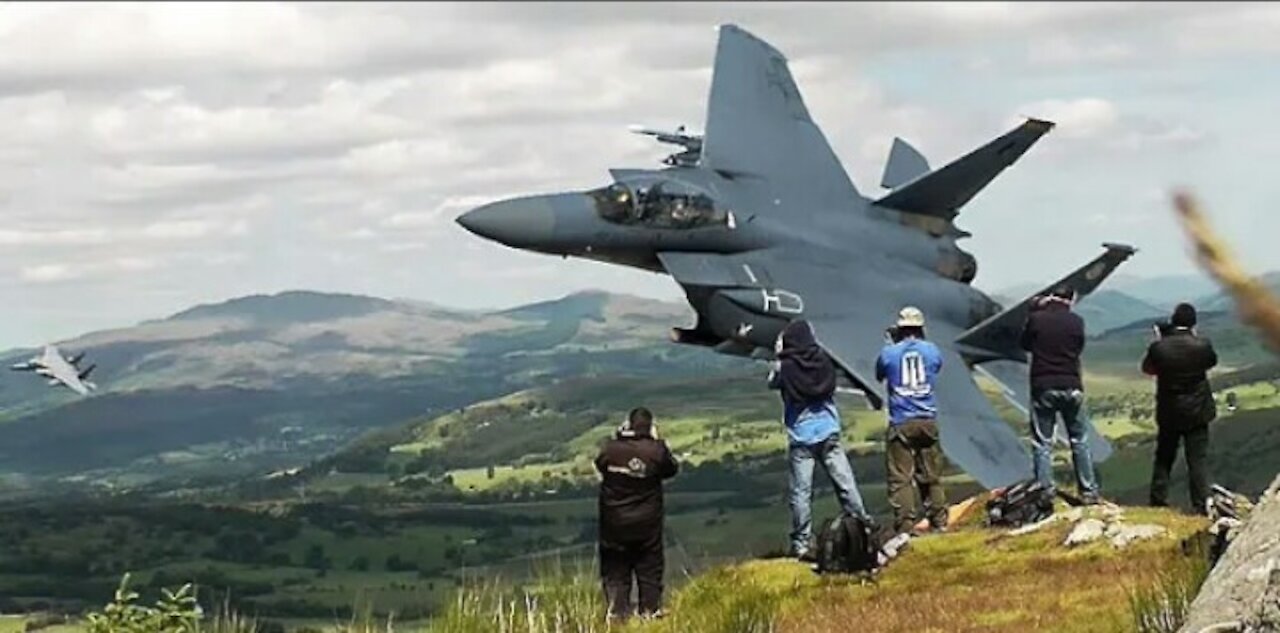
830	454
1046	406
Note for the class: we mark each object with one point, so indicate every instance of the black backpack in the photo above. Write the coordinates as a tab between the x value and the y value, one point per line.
1022	503
847	545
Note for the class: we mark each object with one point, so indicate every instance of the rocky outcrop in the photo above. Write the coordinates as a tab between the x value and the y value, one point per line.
1242	593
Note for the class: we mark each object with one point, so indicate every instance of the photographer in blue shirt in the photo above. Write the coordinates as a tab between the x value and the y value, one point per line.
806	376
909	366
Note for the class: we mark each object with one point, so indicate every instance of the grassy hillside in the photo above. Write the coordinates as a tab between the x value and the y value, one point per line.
974	579
265	382
1120	351
970	580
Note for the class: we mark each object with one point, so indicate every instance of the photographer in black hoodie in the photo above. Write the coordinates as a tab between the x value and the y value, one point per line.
633	464
1180	361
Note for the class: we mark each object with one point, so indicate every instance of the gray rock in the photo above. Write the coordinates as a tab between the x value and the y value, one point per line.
1086	531
1242	592
1122	535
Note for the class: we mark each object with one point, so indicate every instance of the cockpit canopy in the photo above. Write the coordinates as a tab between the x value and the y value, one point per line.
659	204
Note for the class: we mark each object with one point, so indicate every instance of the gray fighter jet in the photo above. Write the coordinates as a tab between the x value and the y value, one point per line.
60	371
758	222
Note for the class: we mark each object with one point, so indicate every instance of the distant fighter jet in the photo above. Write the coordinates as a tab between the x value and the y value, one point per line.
758	222
60	371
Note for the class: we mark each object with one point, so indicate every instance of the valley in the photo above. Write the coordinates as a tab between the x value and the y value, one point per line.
384	480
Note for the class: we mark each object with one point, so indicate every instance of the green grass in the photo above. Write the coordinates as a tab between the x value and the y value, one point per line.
970	580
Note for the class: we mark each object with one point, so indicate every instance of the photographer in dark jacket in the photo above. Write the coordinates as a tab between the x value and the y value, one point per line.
633	465
1055	337
1180	361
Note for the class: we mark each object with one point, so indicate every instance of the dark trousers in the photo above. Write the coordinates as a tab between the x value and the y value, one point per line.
623	562
1196	447
911	453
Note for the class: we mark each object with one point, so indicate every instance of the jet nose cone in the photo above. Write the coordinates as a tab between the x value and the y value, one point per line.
522	222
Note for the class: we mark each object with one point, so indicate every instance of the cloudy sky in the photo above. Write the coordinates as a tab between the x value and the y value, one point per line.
156	156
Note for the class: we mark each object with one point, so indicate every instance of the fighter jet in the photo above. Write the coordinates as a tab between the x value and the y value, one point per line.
758	222
60	371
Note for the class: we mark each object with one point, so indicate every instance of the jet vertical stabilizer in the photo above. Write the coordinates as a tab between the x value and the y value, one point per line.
905	164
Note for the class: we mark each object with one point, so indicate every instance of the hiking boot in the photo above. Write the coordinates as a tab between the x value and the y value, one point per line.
807	556
1090	499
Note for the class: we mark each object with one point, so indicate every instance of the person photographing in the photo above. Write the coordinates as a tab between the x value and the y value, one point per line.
633	466
806	377
909	367
1180	360
1055	336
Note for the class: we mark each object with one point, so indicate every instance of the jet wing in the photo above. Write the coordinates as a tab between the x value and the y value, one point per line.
850	329
999	337
759	128
68	376
1016	388
854	344
973	435
851	326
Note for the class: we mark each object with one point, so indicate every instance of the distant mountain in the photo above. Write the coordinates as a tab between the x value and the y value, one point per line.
1122	348
274	380
1218	300
1161	293
1102	310
1108	309
1165	291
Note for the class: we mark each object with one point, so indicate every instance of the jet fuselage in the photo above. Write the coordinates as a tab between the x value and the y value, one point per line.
694	210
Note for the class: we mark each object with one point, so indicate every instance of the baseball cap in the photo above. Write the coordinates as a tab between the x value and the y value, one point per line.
911	316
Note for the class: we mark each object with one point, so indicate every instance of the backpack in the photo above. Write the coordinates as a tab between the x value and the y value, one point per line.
1022	503
847	545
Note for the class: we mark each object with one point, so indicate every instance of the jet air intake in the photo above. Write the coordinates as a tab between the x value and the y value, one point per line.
744	321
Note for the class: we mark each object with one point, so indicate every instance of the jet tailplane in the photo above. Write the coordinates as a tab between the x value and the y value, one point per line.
999	337
941	192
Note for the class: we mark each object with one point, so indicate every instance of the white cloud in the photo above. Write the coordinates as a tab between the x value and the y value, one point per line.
1066	51
1083	118
1244	28
178	229
87	270
61	237
250	146
178	130
1100	124
49	273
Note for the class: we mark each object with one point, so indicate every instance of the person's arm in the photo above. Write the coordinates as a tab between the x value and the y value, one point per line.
880	371
1149	361
601	462
775	375
1029	333
668	466
1211	356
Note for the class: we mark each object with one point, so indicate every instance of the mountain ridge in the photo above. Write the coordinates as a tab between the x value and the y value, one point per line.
334	364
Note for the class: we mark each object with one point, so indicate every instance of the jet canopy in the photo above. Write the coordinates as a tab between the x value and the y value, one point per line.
659	204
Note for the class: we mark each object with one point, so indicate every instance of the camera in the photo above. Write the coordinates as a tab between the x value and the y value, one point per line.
1163	328
892	334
